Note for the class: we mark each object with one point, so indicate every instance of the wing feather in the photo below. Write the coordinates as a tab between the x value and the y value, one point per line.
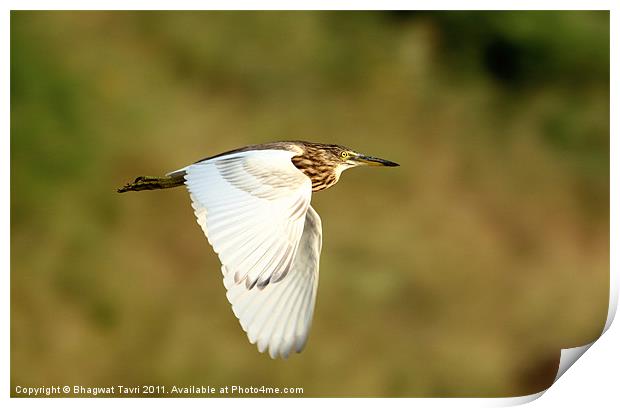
254	208
278	318
251	206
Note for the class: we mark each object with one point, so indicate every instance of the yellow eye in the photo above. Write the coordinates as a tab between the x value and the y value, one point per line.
344	155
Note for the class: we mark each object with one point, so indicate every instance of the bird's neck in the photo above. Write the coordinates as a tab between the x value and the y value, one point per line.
321	176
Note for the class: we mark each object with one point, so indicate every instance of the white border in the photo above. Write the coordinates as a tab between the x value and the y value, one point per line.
310	5
591	381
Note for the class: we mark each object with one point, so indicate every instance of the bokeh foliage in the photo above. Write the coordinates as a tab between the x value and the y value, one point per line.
461	273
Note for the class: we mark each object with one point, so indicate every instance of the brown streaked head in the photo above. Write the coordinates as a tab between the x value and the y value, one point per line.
323	163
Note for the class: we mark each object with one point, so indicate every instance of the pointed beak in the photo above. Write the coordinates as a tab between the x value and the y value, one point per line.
373	161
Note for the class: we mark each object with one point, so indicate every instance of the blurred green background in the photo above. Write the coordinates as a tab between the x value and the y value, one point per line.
461	273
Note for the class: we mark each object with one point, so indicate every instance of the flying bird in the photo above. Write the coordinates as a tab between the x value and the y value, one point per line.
253	204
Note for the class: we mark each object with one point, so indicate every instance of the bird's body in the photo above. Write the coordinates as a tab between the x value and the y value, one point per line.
253	205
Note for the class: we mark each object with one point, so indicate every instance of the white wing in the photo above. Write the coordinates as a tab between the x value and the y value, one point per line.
252	207
279	316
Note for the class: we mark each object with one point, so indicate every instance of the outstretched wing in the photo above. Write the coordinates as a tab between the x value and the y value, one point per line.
278	318
254	208
251	206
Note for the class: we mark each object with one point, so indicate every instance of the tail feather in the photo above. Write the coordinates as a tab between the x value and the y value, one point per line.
153	183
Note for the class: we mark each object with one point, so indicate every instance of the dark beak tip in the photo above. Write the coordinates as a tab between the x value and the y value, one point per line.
388	163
